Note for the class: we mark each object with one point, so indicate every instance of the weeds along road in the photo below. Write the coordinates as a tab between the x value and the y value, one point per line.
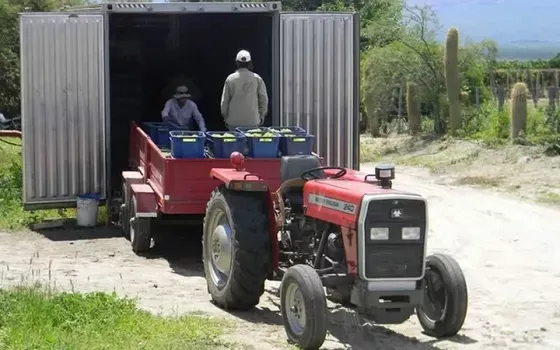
509	251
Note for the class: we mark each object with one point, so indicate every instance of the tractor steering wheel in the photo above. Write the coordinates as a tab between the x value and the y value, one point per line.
311	174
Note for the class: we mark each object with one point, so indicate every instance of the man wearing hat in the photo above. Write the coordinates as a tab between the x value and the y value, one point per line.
181	111
244	98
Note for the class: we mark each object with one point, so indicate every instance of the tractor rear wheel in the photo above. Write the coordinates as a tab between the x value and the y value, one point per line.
140	230
236	248
445	301
304	307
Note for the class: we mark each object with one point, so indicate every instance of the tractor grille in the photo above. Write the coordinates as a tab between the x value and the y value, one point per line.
395	257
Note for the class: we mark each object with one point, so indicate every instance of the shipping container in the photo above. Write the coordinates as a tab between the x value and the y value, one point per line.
87	72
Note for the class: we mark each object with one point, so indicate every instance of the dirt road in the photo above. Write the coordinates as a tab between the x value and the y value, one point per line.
509	251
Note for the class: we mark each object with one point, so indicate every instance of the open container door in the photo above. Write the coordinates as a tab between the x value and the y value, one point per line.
63	108
319	85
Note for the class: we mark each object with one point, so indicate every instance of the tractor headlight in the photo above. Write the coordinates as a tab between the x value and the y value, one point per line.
378	233
410	233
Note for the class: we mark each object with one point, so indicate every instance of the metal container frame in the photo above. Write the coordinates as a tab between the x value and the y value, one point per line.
341	148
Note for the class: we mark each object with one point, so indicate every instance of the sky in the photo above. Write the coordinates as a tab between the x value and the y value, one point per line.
505	21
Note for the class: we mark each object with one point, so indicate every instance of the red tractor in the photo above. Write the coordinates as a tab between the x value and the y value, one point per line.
333	228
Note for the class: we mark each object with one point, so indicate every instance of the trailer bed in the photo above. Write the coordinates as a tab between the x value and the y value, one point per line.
184	186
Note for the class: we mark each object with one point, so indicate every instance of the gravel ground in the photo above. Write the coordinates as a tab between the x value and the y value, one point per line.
508	249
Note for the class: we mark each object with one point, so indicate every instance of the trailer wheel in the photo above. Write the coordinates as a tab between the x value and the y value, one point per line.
445	300
124	216
304	307
236	248
140	230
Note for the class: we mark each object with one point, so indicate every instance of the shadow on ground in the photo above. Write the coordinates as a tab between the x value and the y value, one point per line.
181	246
349	330
70	232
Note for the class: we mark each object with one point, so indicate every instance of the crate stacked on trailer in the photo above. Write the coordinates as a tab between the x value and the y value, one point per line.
294	140
222	144
159	133
262	142
187	144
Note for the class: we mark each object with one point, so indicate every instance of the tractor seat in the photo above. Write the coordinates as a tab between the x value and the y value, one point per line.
291	167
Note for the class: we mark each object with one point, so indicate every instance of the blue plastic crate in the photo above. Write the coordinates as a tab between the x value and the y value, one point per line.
159	133
293	130
223	147
299	144
244	130
261	146
184	145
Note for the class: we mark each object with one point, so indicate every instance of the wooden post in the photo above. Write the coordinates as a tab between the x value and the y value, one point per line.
501	94
399	126
538	85
477	98
373	114
507	80
552	95
556	83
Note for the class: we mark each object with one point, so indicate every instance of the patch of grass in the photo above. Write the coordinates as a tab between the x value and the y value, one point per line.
550	198
368	152
12	215
31	318
426	162
477	181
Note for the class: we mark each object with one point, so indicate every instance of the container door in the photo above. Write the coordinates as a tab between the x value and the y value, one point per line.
63	113
319	81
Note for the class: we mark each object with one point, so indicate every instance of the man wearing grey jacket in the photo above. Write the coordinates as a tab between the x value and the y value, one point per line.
244	98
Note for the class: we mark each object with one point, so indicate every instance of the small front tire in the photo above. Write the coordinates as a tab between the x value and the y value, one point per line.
445	301
304	307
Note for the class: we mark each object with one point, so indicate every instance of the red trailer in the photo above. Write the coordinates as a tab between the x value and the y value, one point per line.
158	186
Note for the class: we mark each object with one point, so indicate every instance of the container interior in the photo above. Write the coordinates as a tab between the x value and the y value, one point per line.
150	54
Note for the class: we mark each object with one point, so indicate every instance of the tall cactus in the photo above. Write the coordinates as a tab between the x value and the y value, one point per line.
519	96
413	108
452	79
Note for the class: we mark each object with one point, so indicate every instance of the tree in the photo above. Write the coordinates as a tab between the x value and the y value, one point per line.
9	45
419	41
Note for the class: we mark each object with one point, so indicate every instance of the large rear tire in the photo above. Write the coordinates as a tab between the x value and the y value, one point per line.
140	230
445	302
236	248
304	307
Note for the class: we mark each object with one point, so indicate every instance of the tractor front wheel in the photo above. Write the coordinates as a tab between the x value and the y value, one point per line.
236	248
445	300
304	307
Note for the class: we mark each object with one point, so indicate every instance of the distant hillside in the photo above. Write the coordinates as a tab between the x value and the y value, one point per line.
523	29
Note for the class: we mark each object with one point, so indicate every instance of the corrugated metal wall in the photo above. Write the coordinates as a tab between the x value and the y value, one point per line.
62	74
318	81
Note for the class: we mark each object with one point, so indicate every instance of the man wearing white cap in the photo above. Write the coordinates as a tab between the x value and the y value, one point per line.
244	98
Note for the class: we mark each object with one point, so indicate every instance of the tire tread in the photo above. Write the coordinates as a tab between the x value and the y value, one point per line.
456	286
251	261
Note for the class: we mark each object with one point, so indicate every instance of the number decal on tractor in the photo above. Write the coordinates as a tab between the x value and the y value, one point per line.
331	203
